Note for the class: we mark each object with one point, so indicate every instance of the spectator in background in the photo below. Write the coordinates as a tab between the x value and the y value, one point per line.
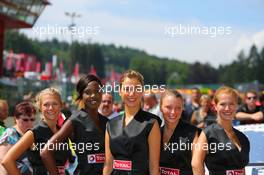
204	116
249	112
151	104
117	106
24	116
261	99
192	106
106	106
3	114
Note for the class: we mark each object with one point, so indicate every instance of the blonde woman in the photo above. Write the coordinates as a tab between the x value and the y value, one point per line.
49	103
87	128
204	116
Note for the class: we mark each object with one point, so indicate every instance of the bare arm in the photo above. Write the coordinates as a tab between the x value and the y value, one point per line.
9	161
193	119
154	149
108	165
3	150
257	116
199	155
195	140
46	153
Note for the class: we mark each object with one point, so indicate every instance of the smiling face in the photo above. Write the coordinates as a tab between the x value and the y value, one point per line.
92	95
131	92
50	106
171	108
226	106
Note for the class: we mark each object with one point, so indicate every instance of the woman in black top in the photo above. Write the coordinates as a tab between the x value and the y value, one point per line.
87	128
132	140
177	136
49	103
224	149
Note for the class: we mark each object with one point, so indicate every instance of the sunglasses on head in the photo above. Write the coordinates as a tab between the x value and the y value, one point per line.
252	98
27	120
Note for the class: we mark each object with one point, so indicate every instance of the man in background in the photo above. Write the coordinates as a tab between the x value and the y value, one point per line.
151	104
3	114
106	106
249	112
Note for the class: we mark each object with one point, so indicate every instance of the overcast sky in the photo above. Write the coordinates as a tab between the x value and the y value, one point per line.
185	30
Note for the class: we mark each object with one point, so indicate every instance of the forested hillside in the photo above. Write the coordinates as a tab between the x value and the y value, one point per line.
245	68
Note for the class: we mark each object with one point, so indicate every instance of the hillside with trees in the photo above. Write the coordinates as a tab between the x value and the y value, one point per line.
245	68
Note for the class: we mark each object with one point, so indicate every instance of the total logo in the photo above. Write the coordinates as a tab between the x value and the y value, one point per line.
169	171
234	172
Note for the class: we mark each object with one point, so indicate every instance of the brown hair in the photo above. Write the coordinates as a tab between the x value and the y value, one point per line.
170	92
131	74
252	92
24	108
225	90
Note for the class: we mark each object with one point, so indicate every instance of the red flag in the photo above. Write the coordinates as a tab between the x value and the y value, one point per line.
61	67
9	60
38	67
76	70
27	64
92	70
48	68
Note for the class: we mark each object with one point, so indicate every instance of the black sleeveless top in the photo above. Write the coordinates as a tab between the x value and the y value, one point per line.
42	133
223	155
177	153
88	142
130	143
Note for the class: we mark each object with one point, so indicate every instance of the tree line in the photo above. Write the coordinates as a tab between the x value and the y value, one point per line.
156	70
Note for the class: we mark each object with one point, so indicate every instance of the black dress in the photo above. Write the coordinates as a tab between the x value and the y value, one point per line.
42	133
129	144
176	155
88	142
223	156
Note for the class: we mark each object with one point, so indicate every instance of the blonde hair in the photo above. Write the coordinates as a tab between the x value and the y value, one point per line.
225	90
51	91
204	98
131	74
3	102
